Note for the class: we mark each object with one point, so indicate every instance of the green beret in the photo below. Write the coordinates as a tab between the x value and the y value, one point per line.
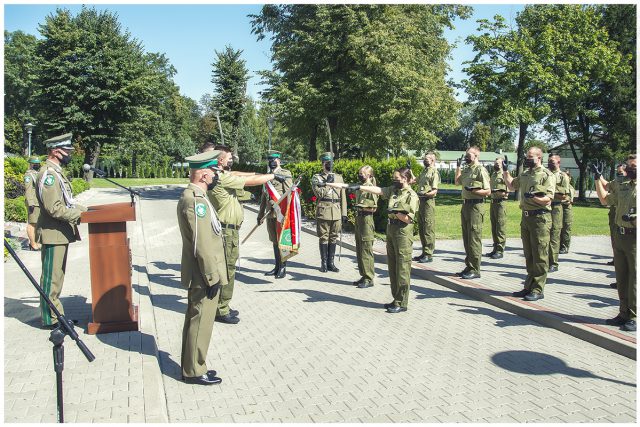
62	141
273	154
325	157
208	159
35	160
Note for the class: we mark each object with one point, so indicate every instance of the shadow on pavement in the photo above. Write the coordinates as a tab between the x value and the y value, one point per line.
169	367
604	301
165	266
534	363
593	256
503	318
319	296
251	280
27	310
167	302
424	293
162	193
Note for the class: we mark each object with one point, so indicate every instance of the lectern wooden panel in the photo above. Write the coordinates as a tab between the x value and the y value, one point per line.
110	261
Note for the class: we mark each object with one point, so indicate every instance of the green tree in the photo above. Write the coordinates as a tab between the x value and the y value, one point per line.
230	78
480	136
375	73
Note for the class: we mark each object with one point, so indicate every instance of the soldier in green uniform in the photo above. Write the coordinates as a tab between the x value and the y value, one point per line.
273	159
562	194
202	268
31	200
366	206
611	187
58	223
331	211
537	185
498	210
474	179
427	182
624	254
403	205
567	218
224	199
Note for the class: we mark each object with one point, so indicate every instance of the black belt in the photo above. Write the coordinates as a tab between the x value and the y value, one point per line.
365	213
626	230
231	226
497	200
535	212
472	201
425	197
329	200
556	203
397	222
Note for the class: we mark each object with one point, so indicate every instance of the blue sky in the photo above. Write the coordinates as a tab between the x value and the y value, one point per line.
189	34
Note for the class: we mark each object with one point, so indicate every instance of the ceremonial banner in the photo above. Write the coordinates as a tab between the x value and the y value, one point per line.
288	217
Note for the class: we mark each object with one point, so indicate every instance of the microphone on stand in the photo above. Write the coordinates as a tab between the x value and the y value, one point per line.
102	174
98	172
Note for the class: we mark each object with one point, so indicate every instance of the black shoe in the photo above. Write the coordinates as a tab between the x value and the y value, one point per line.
563	251
228	318
396	309
614	285
233	313
272	272
418	258
203	379
365	284
324	249
616	321
553	268
465	271
470	275
490	254
424	259
521	293
359	281
330	255
497	255
211	373
629	326
610	262
389	305
534	296
282	272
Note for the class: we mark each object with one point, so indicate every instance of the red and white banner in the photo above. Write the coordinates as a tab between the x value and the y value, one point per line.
288	218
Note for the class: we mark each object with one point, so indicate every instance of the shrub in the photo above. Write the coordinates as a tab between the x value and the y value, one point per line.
15	210
14	170
78	185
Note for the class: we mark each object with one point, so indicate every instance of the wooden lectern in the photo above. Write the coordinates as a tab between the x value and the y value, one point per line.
110	260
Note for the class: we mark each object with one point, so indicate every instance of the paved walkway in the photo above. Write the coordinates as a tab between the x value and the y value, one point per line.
312	347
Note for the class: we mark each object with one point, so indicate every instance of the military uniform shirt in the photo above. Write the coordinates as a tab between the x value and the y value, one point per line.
624	198
496	181
536	180
281	188
225	199
30	182
562	190
202	249
365	199
331	202
403	201
428	180
474	176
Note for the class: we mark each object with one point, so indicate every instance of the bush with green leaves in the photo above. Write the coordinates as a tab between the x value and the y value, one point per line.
78	185
14	170
15	210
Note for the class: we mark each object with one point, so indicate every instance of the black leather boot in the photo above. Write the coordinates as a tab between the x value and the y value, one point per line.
330	265
283	270
323	257
276	255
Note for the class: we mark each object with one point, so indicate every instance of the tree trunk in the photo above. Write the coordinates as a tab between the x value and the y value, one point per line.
333	128
91	155
313	150
522	137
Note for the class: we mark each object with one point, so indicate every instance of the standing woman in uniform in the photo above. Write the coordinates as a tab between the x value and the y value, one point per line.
403	204
366	205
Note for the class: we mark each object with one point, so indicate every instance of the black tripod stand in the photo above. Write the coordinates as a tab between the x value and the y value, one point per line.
65	327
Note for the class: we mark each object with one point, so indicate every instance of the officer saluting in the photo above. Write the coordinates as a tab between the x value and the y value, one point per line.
31	200
203	267
58	222
273	159
428	182
561	195
330	210
537	185
497	211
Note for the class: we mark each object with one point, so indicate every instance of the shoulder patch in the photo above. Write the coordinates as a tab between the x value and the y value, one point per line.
27	179
201	210
49	180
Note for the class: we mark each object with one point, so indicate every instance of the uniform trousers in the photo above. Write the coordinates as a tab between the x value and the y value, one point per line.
364	246
231	240
427	225
54	265
624	258
554	235
399	248
535	231
472	216
498	217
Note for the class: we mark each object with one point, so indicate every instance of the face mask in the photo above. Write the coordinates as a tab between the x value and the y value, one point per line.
631	173
362	178
65	160
229	164
397	184
213	183
552	167
529	163
467	159
496	167
328	166
620	175
426	163
35	167
273	165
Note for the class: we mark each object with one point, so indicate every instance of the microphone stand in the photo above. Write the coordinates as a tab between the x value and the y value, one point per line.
65	327
131	191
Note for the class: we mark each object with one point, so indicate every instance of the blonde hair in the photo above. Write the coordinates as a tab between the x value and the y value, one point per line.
368	170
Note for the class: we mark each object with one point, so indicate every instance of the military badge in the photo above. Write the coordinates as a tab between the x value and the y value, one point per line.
201	210
48	181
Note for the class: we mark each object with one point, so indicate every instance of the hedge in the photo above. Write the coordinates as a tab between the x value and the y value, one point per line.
15	210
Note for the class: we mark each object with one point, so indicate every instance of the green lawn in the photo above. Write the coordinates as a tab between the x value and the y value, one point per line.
135	182
588	219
